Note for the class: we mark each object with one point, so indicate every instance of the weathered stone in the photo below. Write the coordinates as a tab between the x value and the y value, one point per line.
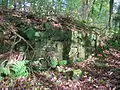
67	45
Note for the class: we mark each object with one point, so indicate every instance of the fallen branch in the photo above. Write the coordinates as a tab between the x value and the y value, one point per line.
13	30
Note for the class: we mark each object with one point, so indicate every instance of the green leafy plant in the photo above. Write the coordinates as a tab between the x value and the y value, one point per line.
54	62
3	72
19	69
80	60
30	32
102	81
114	43
63	62
76	74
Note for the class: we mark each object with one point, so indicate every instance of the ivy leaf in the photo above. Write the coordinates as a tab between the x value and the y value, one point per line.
54	62
77	74
30	32
63	62
48	26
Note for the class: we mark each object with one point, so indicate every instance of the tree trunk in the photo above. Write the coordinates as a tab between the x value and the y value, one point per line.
110	13
84	9
87	5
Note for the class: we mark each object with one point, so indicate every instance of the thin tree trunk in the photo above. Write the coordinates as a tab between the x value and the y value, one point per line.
6	3
110	13
87	5
14	1
93	6
84	9
90	4
100	8
19	5
24	5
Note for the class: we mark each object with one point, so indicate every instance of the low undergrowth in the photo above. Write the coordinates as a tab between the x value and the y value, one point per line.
27	60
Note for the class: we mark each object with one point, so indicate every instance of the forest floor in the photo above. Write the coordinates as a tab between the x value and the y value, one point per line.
101	72
95	77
